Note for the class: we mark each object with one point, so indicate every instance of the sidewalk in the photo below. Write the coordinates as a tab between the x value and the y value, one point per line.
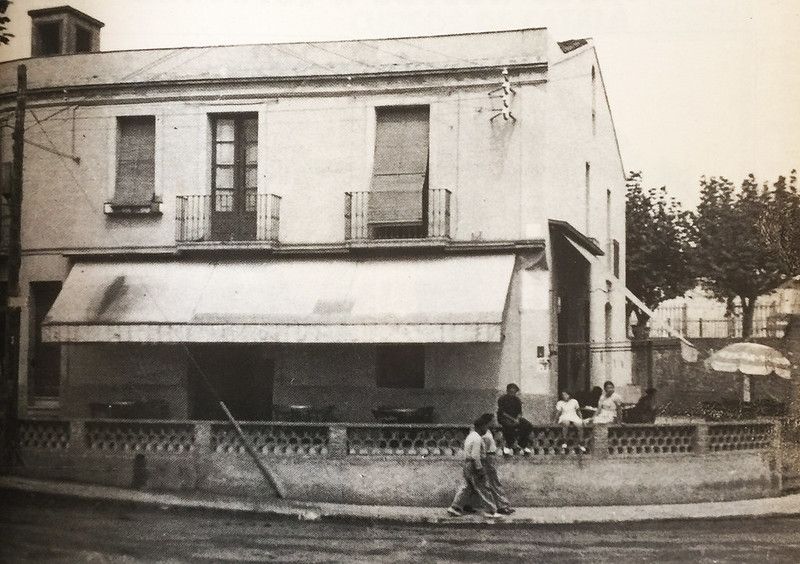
779	506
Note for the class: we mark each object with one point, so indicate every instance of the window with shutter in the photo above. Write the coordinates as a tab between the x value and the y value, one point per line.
135	183
400	173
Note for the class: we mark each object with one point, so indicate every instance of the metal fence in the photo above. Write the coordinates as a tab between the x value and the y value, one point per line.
767	322
397	215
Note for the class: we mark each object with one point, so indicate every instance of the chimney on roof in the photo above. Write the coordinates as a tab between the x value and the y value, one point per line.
63	30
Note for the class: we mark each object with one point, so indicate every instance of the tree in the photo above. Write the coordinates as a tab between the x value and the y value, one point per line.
658	240
731	256
780	228
5	36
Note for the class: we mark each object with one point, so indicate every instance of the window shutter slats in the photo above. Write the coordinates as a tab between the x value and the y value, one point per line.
135	161
401	164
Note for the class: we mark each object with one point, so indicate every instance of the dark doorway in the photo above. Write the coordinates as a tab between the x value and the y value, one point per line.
572	306
242	376
235	177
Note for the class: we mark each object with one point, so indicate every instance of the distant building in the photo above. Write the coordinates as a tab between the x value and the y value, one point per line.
408	222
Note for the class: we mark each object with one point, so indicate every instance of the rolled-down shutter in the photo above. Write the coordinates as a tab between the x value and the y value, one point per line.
135	160
401	164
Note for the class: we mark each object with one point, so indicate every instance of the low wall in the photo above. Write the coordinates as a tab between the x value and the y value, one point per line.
409	464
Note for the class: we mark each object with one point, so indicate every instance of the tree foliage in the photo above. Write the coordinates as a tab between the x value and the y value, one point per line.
732	257
658	240
780	227
5	36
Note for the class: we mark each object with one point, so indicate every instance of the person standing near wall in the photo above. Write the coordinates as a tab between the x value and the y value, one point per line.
516	429
474	471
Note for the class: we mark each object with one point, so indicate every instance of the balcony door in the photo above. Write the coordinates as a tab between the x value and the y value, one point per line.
234	177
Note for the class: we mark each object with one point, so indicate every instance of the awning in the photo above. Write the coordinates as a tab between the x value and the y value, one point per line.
409	300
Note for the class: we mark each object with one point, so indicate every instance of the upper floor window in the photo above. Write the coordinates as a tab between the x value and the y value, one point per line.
615	253
594	102
234	184
135	180
399	192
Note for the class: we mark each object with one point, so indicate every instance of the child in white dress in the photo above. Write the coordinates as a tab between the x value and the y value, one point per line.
568	411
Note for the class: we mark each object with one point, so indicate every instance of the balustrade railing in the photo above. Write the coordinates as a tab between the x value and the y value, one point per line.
195	219
140	436
397	214
271	438
118	436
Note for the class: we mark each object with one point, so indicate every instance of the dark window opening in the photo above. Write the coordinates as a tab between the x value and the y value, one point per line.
616	258
45	365
49	35
136	151
401	366
398	202
83	40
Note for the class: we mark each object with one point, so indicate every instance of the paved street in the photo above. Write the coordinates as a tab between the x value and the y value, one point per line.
40	528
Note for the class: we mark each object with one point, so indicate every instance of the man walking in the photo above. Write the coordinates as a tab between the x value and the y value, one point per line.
516	429
475	471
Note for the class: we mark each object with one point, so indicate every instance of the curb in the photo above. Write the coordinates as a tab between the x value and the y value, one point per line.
309	511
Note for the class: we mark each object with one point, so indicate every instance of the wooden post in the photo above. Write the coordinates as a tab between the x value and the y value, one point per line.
9	453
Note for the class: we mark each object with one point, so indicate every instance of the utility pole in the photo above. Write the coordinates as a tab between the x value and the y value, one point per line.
8	449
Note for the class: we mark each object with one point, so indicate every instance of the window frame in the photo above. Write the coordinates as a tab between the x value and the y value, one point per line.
116	205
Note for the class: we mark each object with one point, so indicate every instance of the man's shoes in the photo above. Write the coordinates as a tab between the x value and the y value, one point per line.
526	451
505	511
454	512
507	452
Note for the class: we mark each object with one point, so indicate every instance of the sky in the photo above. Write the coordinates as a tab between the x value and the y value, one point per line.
700	87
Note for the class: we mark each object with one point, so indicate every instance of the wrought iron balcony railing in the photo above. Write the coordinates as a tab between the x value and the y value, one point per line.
204	218
397	214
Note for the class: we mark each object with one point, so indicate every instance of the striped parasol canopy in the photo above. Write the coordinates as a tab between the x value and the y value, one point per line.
752	359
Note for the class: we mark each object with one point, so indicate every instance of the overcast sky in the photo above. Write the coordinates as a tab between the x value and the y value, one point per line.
696	87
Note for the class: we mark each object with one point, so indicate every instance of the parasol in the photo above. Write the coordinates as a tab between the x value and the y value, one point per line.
751	359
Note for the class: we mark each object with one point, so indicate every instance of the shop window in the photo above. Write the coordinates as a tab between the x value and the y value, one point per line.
401	366
45	364
397	203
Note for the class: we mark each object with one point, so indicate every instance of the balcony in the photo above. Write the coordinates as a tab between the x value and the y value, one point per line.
203	218
397	215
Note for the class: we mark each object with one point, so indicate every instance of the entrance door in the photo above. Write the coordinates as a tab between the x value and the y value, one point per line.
572	289
234	177
240	374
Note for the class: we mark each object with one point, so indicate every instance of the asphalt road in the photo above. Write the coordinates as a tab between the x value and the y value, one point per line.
36	528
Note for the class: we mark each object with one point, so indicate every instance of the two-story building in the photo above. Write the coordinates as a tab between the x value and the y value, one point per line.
407	222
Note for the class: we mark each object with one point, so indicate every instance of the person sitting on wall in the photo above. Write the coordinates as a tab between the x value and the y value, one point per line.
516	429
474	471
568	410
645	409
609	406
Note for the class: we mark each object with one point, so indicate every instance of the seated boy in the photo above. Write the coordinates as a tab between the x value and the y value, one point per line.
516	429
